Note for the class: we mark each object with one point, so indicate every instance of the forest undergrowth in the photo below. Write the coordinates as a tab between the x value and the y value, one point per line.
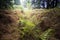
36	24
40	24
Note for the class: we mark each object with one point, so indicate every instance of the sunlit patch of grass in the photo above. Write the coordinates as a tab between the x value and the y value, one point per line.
29	13
35	14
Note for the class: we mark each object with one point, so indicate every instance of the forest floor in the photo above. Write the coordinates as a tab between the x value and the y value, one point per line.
36	24
44	19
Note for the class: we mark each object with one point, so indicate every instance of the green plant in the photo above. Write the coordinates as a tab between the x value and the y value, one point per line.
31	30
28	25
45	35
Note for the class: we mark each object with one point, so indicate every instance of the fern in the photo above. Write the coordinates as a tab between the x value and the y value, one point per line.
45	35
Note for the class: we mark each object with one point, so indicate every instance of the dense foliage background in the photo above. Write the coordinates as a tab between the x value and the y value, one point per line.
5	4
